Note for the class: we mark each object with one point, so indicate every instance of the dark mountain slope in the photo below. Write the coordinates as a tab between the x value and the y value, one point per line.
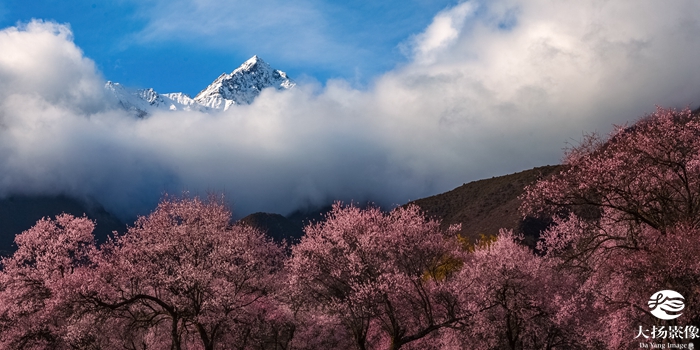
482	207
289	228
19	213
275	225
485	206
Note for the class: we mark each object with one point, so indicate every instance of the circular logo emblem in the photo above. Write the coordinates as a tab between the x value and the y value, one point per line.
666	304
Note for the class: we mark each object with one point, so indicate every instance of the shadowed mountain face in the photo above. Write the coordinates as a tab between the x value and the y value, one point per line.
482	207
289	228
486	206
20	213
275	226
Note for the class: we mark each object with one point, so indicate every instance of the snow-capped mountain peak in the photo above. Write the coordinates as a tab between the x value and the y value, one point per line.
241	86
248	65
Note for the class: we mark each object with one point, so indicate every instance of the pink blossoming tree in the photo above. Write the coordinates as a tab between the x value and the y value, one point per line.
516	296
184	271
37	296
382	277
627	214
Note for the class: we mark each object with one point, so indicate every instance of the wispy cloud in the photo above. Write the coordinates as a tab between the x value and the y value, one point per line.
293	31
442	33
492	87
353	40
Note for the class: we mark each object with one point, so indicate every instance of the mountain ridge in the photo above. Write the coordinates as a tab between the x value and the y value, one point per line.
20	212
482	208
243	84
240	87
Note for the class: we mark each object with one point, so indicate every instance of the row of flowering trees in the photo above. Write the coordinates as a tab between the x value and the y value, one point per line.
625	214
185	278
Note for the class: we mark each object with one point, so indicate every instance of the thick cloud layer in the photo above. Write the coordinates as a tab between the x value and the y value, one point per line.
492	88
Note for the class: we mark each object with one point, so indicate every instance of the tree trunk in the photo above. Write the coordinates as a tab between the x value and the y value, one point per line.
174	334
206	340
395	344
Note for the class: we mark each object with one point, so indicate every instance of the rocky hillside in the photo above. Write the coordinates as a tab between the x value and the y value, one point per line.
486	206
482	207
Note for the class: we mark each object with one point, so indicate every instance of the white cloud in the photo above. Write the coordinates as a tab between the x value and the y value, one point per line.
507	83
40	59
441	33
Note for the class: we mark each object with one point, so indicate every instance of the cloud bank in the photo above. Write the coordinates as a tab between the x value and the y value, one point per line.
491	88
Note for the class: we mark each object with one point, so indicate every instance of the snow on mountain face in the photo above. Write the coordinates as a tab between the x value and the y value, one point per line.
241	86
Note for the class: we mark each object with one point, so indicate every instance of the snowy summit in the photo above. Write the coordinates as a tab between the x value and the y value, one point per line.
241	86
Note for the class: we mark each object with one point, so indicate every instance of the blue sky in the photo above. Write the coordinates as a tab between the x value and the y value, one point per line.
395	100
184	45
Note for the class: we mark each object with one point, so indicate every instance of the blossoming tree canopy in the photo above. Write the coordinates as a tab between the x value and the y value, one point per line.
626	218
647	173
380	275
186	263
36	282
